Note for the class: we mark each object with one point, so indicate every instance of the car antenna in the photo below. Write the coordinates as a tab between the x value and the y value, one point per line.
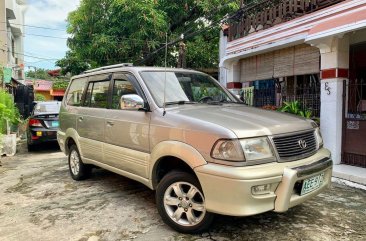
166	54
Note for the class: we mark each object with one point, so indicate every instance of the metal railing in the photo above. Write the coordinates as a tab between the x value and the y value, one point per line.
265	14
309	98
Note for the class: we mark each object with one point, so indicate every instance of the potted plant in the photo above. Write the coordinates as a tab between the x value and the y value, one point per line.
9	115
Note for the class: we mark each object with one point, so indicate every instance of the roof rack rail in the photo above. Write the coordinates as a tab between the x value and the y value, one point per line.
109	67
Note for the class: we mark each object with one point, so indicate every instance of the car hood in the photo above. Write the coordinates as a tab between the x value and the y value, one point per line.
245	121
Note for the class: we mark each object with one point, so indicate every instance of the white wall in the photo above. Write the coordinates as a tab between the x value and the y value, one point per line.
222	48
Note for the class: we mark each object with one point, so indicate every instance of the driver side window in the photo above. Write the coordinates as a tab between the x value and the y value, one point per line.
122	86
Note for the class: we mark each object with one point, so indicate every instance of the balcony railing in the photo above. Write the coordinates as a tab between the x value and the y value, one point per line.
266	14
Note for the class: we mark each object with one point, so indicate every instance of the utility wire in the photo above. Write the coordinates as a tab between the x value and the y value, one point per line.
35	26
133	40
31	56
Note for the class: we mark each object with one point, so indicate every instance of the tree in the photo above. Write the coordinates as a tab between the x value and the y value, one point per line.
113	31
43	74
72	64
38	73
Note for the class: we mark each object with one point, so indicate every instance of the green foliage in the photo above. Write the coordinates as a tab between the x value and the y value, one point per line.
40	97
42	74
8	111
113	31
38	74
72	64
294	107
60	85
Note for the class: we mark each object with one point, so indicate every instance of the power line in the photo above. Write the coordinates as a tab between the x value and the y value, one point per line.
34	26
26	55
89	40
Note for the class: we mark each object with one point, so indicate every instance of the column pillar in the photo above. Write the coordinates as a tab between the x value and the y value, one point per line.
233	78
334	70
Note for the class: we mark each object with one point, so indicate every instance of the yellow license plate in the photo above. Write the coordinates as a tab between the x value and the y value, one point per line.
39	133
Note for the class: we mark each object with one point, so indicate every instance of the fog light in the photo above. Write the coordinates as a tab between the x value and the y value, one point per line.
261	189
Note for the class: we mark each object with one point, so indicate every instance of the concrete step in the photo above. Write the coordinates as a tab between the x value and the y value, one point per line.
350	173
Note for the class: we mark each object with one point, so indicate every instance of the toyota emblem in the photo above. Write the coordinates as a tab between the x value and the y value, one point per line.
302	143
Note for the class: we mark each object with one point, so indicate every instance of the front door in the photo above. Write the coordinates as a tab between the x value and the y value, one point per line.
127	131
354	132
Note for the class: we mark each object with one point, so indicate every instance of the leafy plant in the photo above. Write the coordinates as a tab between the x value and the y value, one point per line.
40	97
9	113
294	107
60	85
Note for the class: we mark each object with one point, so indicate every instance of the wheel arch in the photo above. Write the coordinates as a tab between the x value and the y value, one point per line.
173	155
72	138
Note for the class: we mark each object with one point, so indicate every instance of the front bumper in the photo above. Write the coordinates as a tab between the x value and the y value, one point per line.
228	190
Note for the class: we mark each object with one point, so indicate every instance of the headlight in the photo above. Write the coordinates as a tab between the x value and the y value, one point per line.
257	149
319	138
252	149
229	150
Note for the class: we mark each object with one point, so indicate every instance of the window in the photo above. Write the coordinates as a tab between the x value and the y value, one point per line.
12	46
75	92
122	86
97	94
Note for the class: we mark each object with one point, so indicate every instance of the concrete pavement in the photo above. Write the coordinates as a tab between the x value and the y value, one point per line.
39	201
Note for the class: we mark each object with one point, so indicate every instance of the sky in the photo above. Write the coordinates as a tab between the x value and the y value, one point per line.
49	14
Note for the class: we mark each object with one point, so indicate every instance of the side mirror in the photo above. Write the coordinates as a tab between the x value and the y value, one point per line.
131	102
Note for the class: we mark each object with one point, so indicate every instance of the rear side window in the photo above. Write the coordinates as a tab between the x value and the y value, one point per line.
47	107
75	92
97	94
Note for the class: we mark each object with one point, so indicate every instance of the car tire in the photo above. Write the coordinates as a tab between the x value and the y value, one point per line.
181	204
78	170
30	147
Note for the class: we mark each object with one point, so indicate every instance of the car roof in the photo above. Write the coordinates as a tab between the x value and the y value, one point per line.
111	69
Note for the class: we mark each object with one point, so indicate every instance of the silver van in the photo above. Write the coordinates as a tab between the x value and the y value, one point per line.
182	134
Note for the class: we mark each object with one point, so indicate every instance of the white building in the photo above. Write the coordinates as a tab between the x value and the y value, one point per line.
11	36
302	43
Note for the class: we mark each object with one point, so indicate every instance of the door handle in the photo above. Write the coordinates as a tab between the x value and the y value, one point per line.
110	123
81	119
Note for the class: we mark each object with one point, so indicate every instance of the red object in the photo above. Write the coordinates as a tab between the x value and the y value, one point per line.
54	73
334	73
343	73
234	85
35	137
57	92
34	122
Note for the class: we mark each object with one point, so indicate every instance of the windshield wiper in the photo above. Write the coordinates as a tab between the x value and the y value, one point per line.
232	102
223	101
181	102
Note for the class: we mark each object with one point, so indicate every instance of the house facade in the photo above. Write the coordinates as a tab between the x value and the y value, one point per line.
46	89
11	38
313	51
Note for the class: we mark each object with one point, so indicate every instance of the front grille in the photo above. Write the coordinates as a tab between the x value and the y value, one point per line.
288	147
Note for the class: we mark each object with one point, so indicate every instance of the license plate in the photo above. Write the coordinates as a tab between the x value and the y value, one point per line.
55	124
312	184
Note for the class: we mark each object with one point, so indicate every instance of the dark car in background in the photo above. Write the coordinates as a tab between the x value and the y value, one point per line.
43	124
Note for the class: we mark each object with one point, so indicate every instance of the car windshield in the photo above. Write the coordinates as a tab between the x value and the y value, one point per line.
47	107
184	87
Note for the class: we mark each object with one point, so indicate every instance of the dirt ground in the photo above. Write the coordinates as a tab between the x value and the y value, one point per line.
39	201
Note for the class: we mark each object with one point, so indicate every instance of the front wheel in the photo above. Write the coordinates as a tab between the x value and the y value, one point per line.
78	170
181	203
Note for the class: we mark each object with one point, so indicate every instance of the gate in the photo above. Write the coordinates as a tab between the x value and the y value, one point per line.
354	123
